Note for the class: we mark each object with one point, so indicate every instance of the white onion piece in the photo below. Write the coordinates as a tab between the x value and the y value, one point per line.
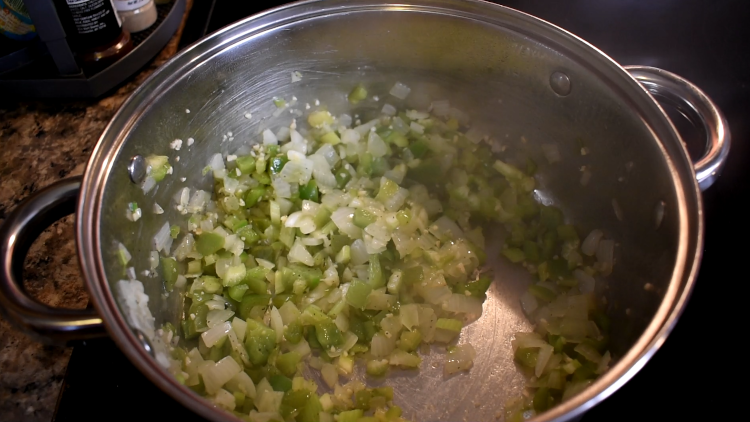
359	252
216	162
376	146
161	237
388	110
381	346
321	170
217	317
216	375
545	352
529	303
330	374
298	253
215	333
350	136
586	283
277	324
330	154
400	90
343	219
460	358
591	242
269	138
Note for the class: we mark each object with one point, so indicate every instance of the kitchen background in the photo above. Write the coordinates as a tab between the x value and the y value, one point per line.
706	42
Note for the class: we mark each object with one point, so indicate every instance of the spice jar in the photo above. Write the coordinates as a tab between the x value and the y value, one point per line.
136	15
95	31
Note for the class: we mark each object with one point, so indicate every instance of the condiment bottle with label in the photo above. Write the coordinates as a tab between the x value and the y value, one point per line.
95	31
136	15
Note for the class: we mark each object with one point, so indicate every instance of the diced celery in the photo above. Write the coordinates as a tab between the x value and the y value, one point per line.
174	231
410	340
363	218
254	195
320	118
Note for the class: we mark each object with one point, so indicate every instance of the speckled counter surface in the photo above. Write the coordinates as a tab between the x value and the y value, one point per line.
40	143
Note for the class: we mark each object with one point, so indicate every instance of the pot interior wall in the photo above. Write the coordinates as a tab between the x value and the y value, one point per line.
498	75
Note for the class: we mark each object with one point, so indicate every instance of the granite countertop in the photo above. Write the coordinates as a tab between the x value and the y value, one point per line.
44	142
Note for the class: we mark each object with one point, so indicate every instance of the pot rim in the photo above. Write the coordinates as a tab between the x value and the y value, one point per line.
689	202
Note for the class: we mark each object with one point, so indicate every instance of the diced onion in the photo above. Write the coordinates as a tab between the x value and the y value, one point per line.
400	90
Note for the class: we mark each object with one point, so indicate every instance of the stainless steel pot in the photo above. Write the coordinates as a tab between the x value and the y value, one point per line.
524	80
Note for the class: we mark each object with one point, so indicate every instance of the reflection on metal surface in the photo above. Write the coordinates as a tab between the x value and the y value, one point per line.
659	211
137	169
560	83
145	342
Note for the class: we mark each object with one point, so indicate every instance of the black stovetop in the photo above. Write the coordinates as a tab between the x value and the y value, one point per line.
704	41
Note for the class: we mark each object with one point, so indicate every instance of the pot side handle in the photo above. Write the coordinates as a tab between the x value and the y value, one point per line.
18	232
666	87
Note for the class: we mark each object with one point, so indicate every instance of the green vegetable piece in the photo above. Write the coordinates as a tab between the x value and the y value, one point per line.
280	383
398	139
393	413
248	235
550	217
310	191
531	167
237	292
260	341
342	178
279	102
377	368
255	279
419	148
363	218
311	411
449	324
293	332
350	415
479	288
377	279
312	339
293	402
211	284
169	272
320	118
542	293
174	231
527	356
365	164
386	392
328	334
413	275
362	399
208	243
357	94
249	301
410	340
567	232
254	195
542	400
514	255
330	138
531	251
277	164
233	223
199	322
246	164
338	241
357	294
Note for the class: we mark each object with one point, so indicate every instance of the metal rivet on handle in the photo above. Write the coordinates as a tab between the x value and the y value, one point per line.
137	169
659	210
560	83
145	342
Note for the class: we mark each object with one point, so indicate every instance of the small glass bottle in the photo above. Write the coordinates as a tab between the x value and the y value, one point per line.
136	15
95	31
